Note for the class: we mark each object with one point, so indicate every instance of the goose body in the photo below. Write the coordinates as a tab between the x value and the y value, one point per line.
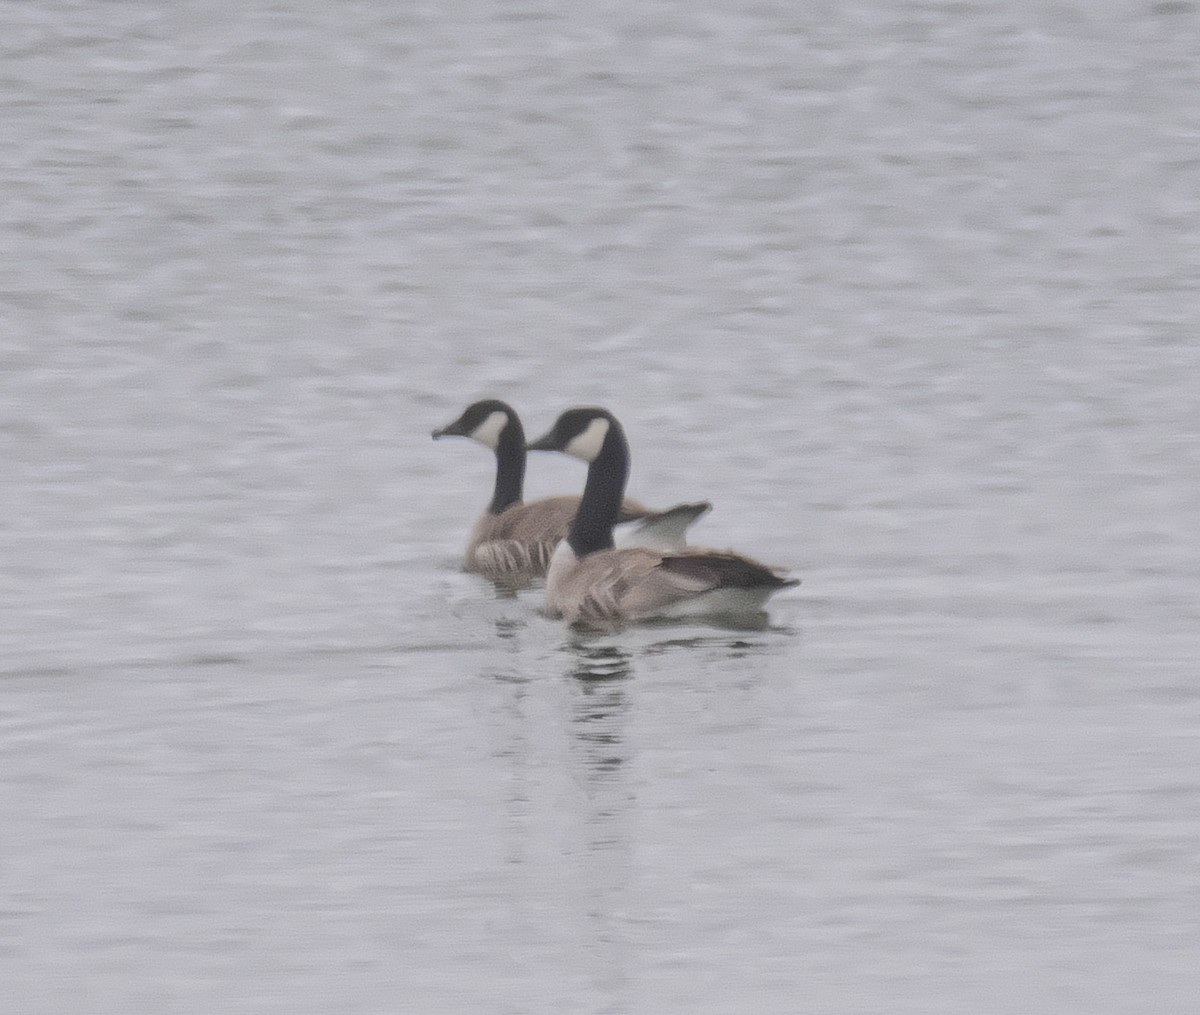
593	583
513	541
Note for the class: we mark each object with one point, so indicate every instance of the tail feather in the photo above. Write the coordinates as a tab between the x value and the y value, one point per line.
664	530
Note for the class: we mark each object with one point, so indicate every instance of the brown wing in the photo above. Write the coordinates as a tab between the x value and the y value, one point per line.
518	543
549	519
711	569
631	510
538	521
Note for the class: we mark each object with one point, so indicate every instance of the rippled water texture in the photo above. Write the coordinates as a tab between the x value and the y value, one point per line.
908	290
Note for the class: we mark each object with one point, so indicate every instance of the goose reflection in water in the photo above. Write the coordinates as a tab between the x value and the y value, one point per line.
600	662
599	750
600	707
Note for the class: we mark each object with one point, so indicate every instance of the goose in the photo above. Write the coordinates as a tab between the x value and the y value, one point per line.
512	542
591	583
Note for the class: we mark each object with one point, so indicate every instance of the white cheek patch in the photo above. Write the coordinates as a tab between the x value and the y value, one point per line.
488	432
588	444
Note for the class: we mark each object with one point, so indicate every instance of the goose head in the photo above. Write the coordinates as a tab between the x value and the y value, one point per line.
483	421
580	433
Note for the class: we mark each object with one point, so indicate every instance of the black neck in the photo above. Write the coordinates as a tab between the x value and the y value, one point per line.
592	528
510	467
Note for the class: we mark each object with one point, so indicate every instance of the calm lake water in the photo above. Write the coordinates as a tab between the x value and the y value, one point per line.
909	290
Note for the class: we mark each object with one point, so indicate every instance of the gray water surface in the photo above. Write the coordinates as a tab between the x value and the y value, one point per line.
908	290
